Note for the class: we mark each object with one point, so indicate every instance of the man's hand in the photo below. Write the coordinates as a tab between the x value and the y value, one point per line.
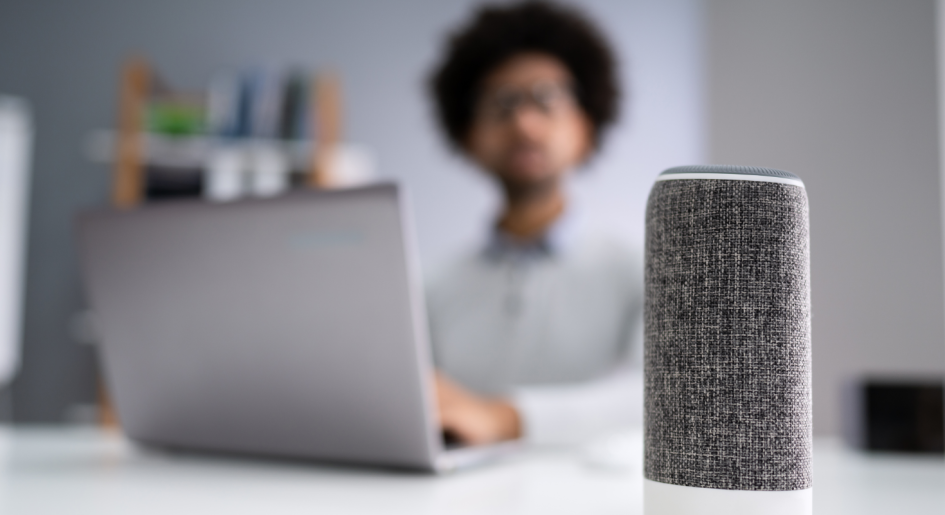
473	419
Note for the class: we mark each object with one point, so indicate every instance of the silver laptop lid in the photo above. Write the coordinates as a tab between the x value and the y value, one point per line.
293	326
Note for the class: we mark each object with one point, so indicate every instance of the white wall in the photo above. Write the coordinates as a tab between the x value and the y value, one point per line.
844	93
64	57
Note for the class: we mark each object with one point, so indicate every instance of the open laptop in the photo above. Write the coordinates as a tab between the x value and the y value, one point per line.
287	327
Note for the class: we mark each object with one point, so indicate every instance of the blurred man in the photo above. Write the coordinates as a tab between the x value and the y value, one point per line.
535	335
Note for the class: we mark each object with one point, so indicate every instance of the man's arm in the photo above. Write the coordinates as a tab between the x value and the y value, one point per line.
543	415
553	414
571	413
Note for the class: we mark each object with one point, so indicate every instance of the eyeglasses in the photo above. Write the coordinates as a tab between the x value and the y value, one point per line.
549	98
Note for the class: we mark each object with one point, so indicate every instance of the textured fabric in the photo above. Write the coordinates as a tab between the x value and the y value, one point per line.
727	335
556	327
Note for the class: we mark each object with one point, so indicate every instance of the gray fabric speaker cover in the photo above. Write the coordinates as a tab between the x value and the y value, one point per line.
727	349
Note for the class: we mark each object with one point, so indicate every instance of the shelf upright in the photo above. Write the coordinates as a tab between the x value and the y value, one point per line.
134	90
128	178
326	117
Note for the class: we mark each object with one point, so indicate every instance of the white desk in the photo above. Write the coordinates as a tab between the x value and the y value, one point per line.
83	471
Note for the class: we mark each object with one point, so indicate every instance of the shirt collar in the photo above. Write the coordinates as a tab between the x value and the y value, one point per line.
557	240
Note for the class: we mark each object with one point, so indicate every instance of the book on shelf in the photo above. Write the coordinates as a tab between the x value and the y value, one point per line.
253	103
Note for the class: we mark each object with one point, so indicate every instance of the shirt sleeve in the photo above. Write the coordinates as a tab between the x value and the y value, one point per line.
567	414
564	414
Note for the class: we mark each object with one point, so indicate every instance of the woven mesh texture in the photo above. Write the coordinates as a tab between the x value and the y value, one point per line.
727	351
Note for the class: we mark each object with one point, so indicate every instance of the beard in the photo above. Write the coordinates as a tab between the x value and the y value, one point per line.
527	169
517	187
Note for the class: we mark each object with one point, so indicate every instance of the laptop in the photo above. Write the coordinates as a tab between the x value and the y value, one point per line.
288	327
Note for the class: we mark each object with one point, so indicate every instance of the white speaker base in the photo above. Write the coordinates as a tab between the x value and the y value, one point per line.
666	499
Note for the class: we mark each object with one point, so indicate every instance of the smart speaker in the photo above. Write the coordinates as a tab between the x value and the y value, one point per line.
727	347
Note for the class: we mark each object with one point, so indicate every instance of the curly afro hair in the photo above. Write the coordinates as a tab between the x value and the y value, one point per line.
498	33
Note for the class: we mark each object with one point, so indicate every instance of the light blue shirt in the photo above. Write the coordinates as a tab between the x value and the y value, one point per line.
554	324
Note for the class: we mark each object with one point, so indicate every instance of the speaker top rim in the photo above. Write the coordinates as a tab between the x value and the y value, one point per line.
732	169
731	172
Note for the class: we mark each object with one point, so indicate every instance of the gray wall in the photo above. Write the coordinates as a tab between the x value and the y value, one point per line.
843	93
64	58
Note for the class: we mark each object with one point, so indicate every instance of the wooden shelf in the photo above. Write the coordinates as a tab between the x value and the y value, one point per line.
323	160
193	152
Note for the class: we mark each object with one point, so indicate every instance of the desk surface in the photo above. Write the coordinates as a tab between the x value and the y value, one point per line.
85	471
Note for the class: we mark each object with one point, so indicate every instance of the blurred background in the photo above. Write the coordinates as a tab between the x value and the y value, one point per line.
844	93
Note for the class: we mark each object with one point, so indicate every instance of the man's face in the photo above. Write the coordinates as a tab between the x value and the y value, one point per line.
528	129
